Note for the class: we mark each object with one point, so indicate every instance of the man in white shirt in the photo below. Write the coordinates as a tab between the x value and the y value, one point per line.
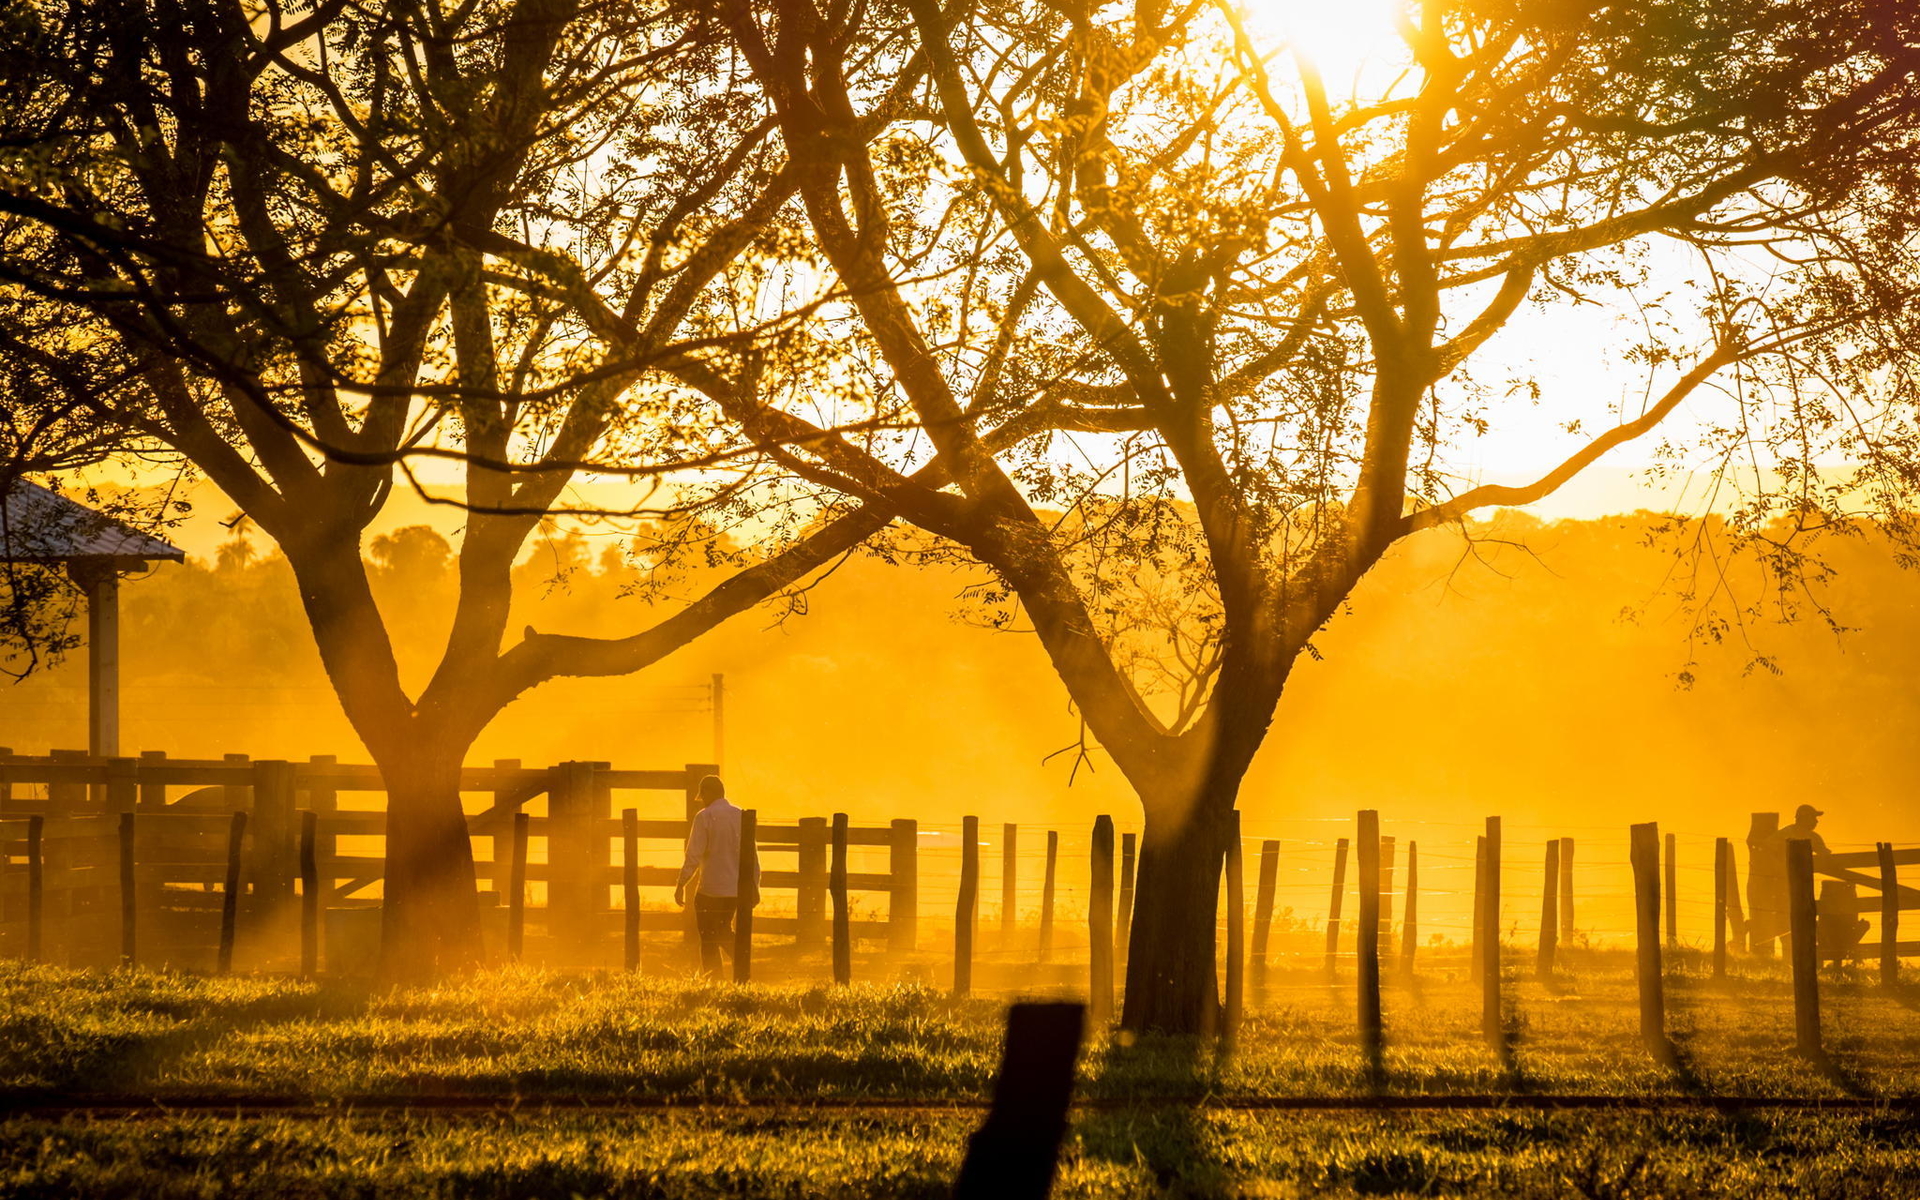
713	850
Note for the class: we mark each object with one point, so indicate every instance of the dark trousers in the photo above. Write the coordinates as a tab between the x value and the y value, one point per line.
715	917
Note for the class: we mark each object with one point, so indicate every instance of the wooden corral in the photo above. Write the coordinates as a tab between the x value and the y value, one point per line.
64	857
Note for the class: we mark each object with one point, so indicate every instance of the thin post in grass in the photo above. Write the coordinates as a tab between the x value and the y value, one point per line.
810	900
837	888
1410	920
1889	917
630	882
1333	906
748	895
128	950
309	894
1722	863
1263	909
36	884
1046	896
1803	929
1492	1024
1367	938
1123	915
965	904
1386	898
1566	890
1478	945
903	876
1671	894
517	887
1100	923
1736	916
1549	912
1009	881
230	894
1236	928
1645	858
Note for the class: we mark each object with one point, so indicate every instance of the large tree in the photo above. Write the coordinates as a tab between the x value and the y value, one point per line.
1140	265
319	252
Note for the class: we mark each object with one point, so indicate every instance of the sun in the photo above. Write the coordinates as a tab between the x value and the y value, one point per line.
1343	39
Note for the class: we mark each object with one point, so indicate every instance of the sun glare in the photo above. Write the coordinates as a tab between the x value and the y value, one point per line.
1342	38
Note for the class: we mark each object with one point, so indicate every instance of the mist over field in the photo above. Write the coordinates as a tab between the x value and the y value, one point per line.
1531	670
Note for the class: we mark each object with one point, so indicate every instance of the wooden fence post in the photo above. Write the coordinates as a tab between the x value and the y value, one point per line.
1645	859
630	882
1722	861
1367	939
1123	919
1802	933
966	904
837	888
235	795
153	795
811	901
64	799
230	895
1478	946
1263	909
1236	928
1492	1024
1046	896
571	878
1333	907
123	785
1386	898
1014	1153
1410	912
1736	917
1766	886
1566	889
599	859
1889	917
309	894
1549	912
127	948
276	856
903	896
1670	894
36	885
503	838
1009	882
323	797
517	887
1100	923
747	894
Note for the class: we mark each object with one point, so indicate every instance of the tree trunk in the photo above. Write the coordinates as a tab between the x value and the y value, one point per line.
1171	984
430	923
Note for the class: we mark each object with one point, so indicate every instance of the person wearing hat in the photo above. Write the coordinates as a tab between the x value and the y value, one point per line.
1839	933
1767	888
1804	819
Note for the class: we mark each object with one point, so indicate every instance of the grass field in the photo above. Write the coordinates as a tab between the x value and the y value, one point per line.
900	1071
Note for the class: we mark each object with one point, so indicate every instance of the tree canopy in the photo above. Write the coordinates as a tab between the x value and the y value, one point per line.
1143	307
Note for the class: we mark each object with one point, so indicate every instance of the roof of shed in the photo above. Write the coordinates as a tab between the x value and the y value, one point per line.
38	525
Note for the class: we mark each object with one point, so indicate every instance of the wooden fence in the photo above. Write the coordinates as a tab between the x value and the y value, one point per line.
90	847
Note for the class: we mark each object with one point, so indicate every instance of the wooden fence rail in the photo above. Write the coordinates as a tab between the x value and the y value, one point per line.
86	895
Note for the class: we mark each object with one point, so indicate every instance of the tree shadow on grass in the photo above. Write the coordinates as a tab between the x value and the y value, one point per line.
1822	1062
89	1055
1168	1134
